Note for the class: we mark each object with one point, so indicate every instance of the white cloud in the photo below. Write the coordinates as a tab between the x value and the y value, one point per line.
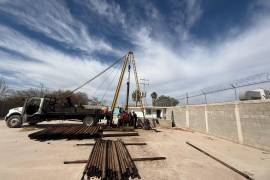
110	10
193	12
195	66
53	19
53	68
185	17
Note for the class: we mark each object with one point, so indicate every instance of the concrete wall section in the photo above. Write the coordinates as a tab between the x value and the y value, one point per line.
255	122
165	123
197	118
244	122
222	122
180	116
169	113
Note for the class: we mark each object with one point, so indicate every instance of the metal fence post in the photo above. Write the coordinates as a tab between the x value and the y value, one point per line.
235	93
205	98
187	98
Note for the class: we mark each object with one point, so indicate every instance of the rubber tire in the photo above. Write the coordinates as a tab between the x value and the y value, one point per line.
89	121
14	121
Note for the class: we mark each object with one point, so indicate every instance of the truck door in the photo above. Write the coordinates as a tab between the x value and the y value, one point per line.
32	106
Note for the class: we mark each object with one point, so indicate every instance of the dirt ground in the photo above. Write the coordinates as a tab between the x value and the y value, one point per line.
22	158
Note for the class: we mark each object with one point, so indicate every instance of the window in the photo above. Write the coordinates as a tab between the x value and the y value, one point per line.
32	106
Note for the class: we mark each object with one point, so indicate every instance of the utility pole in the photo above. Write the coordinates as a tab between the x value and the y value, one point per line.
144	83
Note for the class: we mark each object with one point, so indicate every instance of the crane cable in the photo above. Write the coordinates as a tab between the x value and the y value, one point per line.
106	78
96	76
111	84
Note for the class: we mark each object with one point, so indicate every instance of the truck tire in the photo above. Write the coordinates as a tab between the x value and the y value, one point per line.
14	121
89	121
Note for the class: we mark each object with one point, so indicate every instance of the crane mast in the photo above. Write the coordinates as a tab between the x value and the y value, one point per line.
129	58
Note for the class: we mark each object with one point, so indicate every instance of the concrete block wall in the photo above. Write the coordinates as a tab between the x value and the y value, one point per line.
255	122
244	122
180	116
222	121
197	118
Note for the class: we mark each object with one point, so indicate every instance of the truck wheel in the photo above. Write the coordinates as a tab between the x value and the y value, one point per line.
88	121
14	121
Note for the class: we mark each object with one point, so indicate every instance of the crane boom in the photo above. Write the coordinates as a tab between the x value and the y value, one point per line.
116	94
137	83
129	57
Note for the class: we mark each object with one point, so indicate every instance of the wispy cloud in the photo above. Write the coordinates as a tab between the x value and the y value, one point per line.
174	63
53	68
196	65
111	11
53	19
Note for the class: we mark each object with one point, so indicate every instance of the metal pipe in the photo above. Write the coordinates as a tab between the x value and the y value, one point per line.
220	161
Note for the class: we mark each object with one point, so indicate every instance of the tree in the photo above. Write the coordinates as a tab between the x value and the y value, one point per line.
78	98
136	96
96	102
154	98
43	90
3	88
166	101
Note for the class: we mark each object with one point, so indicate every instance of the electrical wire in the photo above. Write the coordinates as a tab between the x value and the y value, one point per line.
108	75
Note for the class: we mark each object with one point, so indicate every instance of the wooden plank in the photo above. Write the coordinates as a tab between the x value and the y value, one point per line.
129	143
120	129
121	134
133	159
148	159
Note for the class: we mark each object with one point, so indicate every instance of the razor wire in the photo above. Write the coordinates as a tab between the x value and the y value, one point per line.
244	82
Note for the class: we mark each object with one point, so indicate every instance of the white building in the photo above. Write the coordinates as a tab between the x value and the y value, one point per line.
151	112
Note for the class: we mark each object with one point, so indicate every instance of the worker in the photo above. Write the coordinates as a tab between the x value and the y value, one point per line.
123	119
134	119
130	118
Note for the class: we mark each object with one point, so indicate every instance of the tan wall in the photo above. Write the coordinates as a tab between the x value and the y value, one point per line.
255	121
197	118
245	122
222	121
180	116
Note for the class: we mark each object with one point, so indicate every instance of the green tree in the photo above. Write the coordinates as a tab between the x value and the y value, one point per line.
154	98
3	88
136	96
166	101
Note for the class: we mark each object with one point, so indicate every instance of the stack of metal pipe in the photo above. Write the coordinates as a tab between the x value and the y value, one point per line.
110	160
66	132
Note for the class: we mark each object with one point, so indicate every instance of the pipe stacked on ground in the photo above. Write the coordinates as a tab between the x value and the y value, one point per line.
110	160
66	132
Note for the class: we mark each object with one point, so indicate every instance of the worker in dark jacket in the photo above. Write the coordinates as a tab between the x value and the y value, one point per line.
131	119
134	119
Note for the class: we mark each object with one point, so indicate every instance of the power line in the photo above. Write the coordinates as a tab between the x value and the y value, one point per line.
144	82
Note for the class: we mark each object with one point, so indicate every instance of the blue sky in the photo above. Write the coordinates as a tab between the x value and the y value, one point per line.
179	45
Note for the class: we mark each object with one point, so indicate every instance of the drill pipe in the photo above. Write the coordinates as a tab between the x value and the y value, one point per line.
66	132
110	160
